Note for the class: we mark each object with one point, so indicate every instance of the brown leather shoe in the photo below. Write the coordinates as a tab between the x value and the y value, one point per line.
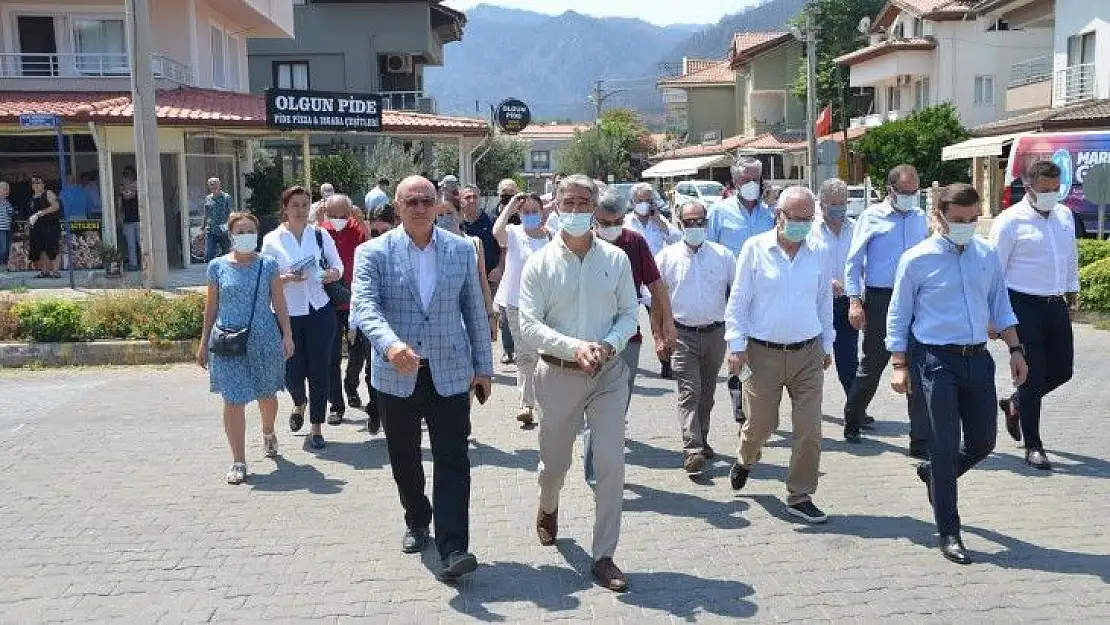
694	463
609	576
525	416
547	526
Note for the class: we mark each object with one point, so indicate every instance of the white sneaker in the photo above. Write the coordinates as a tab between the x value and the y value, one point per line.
270	445
237	473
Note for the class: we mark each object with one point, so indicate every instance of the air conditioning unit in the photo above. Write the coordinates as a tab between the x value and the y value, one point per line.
904	80
398	63
426	105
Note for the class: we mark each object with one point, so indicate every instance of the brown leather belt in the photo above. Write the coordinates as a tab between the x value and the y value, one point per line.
559	362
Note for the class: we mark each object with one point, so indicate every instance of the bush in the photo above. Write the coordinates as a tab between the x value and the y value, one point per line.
176	319
1094	286
50	320
9	322
114	316
1092	251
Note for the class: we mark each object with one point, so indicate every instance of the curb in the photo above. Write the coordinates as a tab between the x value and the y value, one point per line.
94	353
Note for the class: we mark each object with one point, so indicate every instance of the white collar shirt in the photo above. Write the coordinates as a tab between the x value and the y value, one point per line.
423	263
283	246
837	245
698	281
658	236
778	299
1039	255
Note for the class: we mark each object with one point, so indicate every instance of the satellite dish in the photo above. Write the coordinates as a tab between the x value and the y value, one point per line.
864	25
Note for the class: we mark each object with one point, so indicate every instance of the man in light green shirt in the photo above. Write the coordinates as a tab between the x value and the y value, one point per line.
578	309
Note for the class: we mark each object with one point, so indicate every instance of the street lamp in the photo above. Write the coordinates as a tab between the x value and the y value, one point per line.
809	37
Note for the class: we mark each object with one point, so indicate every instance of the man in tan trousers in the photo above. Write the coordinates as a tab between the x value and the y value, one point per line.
578	309
779	327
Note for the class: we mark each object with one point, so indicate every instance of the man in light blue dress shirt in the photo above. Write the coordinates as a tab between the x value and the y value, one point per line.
731	222
948	291
883	232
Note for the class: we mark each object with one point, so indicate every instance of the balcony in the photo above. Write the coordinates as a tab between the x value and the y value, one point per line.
878	119
408	101
84	70
1030	84
1074	84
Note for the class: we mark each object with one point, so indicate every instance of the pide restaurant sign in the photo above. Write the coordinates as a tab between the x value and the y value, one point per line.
291	109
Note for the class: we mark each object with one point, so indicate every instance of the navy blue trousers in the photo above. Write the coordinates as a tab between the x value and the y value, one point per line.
846	346
1044	327
960	398
313	336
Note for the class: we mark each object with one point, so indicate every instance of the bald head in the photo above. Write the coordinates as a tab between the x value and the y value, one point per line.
415	202
415	182
338	206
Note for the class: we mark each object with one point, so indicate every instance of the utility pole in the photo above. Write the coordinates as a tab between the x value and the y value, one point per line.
811	100
600	96
148	166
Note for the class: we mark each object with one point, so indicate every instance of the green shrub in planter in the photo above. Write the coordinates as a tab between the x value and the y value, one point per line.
9	322
1094	286
182	319
1092	250
113	316
50	320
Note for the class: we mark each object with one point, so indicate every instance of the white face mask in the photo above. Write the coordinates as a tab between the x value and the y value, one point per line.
693	236
906	201
1046	201
338	224
244	243
576	224
961	234
609	233
750	191
643	209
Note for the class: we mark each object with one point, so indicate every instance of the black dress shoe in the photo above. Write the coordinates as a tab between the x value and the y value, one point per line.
867	422
665	371
353	400
925	474
953	549
921	452
708	452
738	476
1036	459
1013	422
457	564
373	421
415	540
853	437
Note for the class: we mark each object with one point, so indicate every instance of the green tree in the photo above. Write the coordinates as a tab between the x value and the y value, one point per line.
265	184
837	23
608	148
505	159
390	159
918	140
343	170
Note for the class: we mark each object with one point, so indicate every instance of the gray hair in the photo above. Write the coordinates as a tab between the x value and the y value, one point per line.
897	173
474	188
582	182
338	198
680	212
505	182
796	193
641	187
833	188
744	164
613	202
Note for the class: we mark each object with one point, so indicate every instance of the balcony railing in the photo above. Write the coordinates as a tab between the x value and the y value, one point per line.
1030	71
1074	84
408	101
877	119
108	65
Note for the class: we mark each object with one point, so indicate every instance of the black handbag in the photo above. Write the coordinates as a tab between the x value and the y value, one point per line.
337	292
232	342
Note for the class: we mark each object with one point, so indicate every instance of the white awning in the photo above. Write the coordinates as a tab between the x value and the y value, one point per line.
979	146
684	166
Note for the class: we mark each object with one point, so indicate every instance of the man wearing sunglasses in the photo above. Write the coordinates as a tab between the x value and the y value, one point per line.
697	274
418	298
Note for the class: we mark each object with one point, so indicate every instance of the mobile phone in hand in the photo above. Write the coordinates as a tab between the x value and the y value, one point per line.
480	393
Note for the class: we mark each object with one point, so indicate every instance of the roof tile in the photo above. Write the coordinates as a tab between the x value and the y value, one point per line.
717	73
882	48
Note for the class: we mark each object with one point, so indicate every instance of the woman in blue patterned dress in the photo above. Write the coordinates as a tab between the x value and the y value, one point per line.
260	373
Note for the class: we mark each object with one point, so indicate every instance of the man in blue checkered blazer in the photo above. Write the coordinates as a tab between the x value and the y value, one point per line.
416	296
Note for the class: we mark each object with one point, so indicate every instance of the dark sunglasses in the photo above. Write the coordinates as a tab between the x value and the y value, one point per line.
412	202
695	223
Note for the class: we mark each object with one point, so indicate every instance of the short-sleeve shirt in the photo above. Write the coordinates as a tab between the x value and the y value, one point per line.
217	208
520	246
644	269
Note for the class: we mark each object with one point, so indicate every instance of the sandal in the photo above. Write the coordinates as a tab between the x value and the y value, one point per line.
270	445
296	419
237	473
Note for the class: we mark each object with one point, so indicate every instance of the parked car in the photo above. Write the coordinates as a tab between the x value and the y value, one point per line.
707	192
625	189
857	201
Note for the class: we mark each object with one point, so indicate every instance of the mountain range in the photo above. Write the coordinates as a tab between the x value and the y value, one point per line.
553	62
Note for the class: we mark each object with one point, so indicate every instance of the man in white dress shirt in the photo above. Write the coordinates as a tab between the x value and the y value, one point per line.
1035	242
698	274
779	328
578	310
834	230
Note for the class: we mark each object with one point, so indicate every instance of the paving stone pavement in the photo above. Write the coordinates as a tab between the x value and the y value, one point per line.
114	509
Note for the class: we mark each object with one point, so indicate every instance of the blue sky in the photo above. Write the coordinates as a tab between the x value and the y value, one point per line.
660	12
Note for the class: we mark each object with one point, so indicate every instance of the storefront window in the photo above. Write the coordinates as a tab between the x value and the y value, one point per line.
206	158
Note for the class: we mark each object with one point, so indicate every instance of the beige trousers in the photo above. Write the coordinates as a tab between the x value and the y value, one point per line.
526	359
696	363
563	396
801	373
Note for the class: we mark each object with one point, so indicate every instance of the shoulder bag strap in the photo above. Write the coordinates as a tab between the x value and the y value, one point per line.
320	244
254	298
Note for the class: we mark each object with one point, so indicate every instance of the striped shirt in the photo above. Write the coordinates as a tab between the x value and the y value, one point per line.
5	214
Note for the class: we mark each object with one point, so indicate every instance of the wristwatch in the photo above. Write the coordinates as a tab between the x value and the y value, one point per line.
1017	349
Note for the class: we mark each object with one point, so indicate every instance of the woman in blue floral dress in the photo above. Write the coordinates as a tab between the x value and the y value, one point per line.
260	373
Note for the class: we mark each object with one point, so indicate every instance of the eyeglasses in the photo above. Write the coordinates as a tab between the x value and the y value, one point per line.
413	202
609	223
697	222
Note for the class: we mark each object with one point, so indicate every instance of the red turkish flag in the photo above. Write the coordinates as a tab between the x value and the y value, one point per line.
824	122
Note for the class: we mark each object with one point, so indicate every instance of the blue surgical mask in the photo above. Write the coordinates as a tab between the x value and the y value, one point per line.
796	231
576	224
531	221
961	234
835	212
906	201
244	243
693	236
